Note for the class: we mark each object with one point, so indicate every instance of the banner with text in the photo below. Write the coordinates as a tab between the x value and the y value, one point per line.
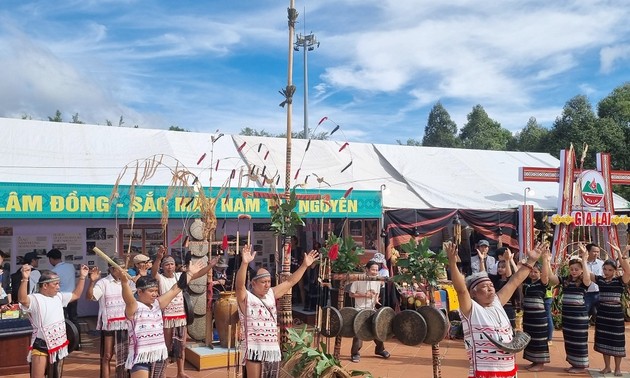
30	200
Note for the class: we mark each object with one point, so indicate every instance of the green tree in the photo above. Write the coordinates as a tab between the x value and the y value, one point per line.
57	117
410	142
616	108
532	138
295	135
248	131
440	131
75	119
177	128
577	125
483	133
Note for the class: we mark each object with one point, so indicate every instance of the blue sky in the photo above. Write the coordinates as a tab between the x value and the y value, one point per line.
381	65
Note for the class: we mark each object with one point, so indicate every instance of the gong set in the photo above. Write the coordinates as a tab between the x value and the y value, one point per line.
426	325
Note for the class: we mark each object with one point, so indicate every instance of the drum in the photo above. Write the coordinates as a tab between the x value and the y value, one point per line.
362	325
226	313
347	326
382	323
437	324
331	322
72	333
409	327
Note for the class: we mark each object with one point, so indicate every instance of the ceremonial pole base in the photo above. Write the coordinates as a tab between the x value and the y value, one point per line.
204	358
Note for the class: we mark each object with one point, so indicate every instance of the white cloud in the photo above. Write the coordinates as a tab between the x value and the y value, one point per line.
612	56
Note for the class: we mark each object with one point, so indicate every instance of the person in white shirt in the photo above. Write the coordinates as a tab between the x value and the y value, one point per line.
49	343
482	262
66	274
595	266
366	296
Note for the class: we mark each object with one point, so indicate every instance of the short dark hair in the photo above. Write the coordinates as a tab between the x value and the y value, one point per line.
500	251
370	263
589	246
54	254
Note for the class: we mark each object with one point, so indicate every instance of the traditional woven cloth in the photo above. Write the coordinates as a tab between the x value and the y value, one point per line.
486	360
535	321
146	335
111	306
46	316
175	313
610	326
260	329
121	350
574	322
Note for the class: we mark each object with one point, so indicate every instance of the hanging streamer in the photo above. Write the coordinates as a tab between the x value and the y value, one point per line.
242	146
216	168
297	173
344	146
178	238
346	167
334	130
322	120
347	193
308	145
259	147
266	154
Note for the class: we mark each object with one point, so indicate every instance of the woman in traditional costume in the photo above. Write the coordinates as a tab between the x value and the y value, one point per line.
535	322
610	338
111	321
505	267
574	315
147	350
174	315
483	317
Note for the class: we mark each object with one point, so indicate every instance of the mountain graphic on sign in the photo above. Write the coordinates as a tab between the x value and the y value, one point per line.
592	187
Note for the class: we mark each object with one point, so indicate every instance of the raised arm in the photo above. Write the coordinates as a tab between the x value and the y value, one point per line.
247	256
623	262
545	269
181	284
131	305
78	290
23	290
510	267
284	287
458	280
155	270
519	276
211	263
586	273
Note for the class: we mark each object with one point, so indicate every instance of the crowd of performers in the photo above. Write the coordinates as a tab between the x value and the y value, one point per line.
142	317
590	292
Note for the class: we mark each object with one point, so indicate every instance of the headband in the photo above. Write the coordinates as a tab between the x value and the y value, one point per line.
49	280
477	280
147	285
168	259
261	275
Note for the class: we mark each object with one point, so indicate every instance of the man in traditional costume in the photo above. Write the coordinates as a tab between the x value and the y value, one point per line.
258	315
49	344
111	319
174	314
147	350
482	314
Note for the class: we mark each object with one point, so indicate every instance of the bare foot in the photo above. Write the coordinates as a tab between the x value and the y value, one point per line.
530	366
537	367
605	371
575	370
618	373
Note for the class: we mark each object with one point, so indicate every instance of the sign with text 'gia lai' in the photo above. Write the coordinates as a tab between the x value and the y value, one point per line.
72	201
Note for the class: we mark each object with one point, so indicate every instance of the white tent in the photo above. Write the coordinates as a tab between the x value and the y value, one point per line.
408	177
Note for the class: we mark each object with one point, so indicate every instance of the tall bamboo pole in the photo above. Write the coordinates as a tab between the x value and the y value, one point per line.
286	315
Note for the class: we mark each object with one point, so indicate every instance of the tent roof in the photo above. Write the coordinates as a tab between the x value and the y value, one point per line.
409	177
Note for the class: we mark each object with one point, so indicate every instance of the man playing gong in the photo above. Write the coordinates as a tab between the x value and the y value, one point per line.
258	314
483	317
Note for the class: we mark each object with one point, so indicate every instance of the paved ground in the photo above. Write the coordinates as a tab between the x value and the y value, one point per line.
405	361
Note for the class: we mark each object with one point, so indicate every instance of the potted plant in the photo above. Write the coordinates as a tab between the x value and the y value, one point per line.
302	360
343	254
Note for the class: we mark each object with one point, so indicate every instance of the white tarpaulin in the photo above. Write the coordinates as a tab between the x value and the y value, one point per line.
408	177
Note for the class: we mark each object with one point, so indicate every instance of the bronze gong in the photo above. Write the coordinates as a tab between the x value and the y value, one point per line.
437	324
347	325
363	325
331	322
382	323
409	327
72	333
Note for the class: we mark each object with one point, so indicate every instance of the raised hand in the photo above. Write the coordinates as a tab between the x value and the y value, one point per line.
195	267
546	254
310	258
26	270
124	278
213	261
84	271
507	255
535	253
161	252
247	254
451	251
583	251
95	274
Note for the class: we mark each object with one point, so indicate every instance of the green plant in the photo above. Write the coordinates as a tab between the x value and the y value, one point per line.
299	348
343	253
419	264
284	220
